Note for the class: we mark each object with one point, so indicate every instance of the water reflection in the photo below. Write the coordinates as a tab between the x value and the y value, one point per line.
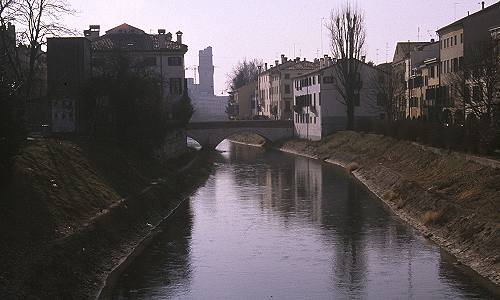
165	270
268	224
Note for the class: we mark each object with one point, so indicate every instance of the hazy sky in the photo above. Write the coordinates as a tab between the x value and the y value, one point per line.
264	29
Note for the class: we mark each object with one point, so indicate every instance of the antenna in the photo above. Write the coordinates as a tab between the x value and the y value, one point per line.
377	56
418	34
455	4
386	52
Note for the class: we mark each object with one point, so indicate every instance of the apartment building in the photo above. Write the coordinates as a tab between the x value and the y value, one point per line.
421	75
401	68
275	86
459	44
318	108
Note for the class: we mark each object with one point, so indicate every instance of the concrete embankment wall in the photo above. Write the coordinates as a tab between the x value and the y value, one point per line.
452	198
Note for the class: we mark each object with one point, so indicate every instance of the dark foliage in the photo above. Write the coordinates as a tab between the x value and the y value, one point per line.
183	109
125	103
12	129
456	137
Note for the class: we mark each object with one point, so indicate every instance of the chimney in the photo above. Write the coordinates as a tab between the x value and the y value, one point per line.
304	59
363	58
162	43
433	40
93	32
265	66
168	37
297	59
179	37
276	62
283	58
482	5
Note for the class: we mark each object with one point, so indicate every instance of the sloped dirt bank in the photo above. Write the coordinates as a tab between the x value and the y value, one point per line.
75	209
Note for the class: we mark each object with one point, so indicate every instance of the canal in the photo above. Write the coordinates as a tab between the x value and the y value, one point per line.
268	225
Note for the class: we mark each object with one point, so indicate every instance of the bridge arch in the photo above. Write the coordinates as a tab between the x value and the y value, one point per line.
216	140
211	134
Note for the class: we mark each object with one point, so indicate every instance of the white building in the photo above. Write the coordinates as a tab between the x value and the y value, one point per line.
318	108
207	106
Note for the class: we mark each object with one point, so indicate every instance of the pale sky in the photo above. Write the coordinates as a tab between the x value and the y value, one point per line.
264	29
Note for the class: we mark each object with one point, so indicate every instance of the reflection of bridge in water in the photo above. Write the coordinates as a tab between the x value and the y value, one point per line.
210	134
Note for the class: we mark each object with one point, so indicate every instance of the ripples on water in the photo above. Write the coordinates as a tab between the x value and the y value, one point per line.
271	225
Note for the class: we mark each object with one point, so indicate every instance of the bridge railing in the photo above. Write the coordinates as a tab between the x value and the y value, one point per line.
242	124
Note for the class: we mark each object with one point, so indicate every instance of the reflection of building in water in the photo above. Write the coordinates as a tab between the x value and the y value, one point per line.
308	187
208	106
294	189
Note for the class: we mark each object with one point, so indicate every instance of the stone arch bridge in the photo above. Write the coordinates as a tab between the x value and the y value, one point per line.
210	134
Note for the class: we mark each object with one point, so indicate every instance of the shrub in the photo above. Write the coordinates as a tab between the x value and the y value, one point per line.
431	217
352	167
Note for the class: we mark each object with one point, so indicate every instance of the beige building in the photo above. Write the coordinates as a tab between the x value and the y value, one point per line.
275	95
422	74
244	97
402	66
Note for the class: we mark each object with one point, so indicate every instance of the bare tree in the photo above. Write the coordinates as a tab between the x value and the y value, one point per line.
9	63
243	73
40	19
475	85
347	37
390	90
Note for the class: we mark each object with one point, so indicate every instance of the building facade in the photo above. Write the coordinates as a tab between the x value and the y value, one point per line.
72	61
275	96
318	107
154	52
460	44
68	70
245	100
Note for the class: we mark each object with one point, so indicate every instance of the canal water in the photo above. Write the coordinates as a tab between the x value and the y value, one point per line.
268	225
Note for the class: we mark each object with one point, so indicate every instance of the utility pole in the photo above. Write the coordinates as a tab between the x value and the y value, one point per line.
322	24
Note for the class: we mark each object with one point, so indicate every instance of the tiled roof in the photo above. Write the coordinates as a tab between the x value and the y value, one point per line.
131	38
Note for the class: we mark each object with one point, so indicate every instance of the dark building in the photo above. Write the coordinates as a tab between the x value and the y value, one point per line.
68	61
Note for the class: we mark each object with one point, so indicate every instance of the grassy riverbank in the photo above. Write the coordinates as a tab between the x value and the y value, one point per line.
74	209
451	198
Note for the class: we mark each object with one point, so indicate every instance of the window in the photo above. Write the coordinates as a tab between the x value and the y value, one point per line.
432	73
175	86
287	89
175	61
314	79
461	38
319	98
455	38
314	99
